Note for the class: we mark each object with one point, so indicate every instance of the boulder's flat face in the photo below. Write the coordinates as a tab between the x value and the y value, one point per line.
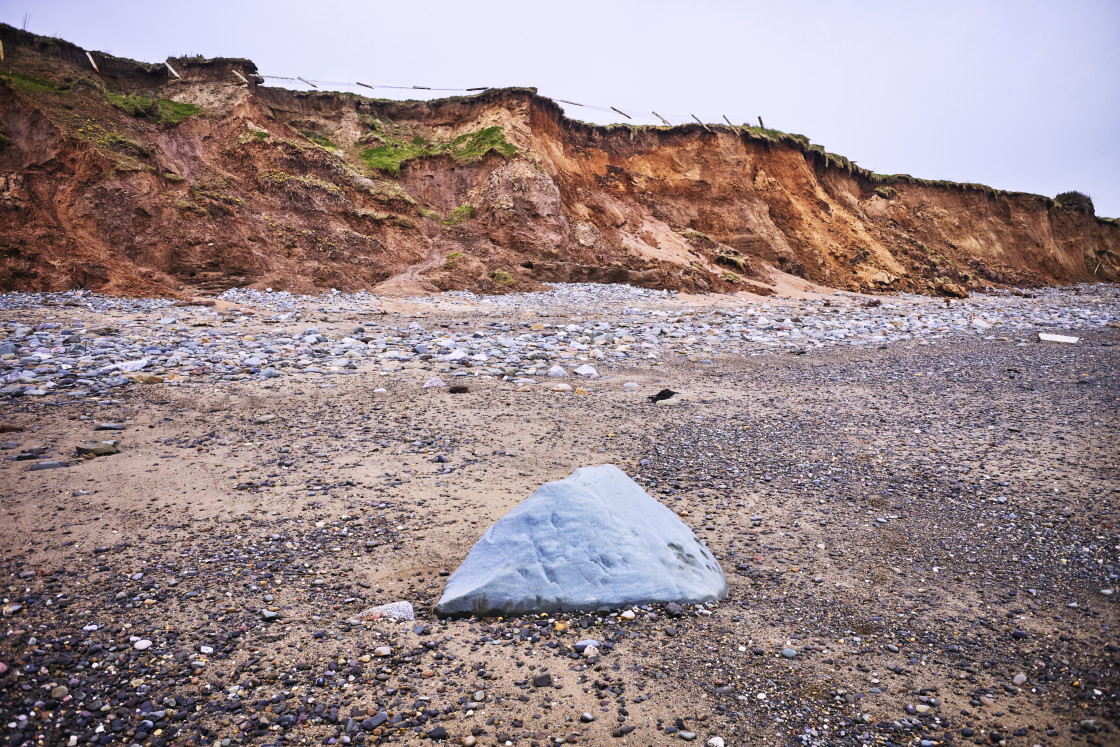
595	540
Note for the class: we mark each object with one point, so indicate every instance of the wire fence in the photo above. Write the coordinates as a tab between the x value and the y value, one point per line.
634	114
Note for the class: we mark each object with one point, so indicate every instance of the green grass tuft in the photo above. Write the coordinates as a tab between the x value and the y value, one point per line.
459	215
467	148
153	108
321	140
28	83
388	158
886	192
502	277
471	147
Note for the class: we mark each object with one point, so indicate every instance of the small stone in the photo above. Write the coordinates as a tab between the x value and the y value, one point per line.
437	734
687	736
627	615
789	653
270	615
586	717
382	651
715	742
1019	679
392	611
96	449
543	680
142	644
48	464
60	692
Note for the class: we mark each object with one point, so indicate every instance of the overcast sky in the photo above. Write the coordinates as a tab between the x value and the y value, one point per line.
1021	95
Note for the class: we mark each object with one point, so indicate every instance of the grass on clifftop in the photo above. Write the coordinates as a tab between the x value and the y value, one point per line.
467	148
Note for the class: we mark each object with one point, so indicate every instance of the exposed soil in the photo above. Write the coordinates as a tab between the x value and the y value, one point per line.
131	181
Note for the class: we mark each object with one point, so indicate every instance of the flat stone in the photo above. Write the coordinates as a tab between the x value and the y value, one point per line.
96	449
593	541
48	464
392	611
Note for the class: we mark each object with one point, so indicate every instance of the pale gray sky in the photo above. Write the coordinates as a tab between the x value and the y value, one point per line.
1020	94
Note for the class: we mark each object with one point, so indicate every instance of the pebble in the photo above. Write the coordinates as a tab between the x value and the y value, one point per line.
767	476
205	344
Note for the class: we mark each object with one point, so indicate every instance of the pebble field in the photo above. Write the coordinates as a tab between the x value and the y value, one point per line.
913	503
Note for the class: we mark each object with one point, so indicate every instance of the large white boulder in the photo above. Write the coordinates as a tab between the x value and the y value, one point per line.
593	541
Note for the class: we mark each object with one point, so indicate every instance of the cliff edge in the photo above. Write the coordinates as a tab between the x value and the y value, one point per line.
127	179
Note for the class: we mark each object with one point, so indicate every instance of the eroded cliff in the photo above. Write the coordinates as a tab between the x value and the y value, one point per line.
129	180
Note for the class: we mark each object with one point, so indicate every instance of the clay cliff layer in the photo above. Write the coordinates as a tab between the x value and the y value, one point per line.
129	180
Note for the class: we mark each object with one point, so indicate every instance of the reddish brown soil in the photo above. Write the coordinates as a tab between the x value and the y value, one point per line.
94	196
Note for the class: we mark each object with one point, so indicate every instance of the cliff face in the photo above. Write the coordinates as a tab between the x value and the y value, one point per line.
128	180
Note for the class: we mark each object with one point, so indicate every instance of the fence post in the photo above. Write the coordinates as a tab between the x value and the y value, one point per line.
709	129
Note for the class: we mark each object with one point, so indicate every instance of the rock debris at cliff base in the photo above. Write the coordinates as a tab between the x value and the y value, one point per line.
914	505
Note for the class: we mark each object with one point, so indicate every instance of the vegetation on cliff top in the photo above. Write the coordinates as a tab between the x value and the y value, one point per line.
1076	201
